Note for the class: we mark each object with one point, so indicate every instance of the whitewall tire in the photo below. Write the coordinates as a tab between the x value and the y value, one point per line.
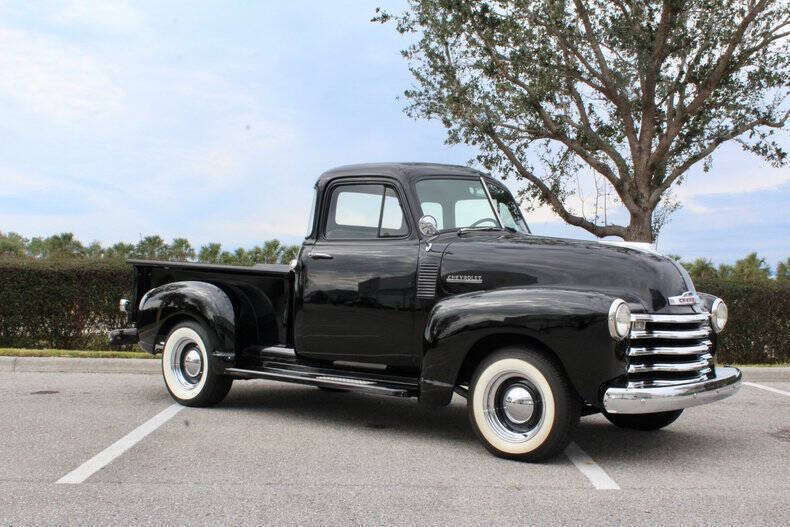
522	406
186	368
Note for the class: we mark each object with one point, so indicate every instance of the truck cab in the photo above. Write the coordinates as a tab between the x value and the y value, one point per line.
424	280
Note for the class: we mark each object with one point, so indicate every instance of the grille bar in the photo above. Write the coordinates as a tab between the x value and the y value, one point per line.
674	335
669	349
694	349
702	362
696	318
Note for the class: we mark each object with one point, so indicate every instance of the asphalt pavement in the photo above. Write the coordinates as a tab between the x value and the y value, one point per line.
286	454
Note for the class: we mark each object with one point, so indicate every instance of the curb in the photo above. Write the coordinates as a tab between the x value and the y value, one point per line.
148	366
78	365
756	373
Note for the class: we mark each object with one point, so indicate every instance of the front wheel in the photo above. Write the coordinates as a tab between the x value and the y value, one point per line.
522	406
185	366
644	421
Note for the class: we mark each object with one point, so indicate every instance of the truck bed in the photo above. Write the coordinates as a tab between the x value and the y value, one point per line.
264	269
255	290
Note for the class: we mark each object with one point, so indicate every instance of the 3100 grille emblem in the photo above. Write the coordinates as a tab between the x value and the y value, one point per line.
686	299
464	279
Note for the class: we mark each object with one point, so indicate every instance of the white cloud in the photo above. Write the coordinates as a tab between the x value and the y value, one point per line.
55	79
109	16
14	182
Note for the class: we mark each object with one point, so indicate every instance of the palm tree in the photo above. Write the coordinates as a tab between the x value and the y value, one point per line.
181	250
750	269
152	248
210	253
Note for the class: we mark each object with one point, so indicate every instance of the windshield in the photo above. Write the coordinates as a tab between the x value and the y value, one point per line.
508	209
311	218
463	203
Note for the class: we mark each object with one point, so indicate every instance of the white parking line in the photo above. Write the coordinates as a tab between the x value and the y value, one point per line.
105	457
767	388
597	476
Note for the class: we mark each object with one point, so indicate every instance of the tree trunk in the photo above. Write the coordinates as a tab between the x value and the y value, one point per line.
640	228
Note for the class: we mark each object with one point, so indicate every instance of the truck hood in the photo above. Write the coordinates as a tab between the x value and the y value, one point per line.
484	260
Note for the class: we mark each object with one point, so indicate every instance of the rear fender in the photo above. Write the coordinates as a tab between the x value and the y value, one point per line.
571	324
201	301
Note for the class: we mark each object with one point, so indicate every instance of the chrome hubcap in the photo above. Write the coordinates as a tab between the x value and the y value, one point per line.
513	407
186	363
518	405
193	362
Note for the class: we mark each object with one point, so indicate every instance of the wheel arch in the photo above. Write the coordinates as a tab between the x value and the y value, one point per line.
171	322
489	344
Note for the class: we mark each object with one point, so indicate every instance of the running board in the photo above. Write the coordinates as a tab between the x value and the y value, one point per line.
330	378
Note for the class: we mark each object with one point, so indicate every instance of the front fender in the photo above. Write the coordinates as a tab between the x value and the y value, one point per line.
201	301
571	323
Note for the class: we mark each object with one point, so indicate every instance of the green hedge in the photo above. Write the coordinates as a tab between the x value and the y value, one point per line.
758	330
61	304
73	304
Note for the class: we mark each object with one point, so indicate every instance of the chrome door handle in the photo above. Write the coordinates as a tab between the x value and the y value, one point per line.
320	256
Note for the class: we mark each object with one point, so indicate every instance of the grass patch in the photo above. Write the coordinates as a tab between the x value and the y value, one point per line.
19	352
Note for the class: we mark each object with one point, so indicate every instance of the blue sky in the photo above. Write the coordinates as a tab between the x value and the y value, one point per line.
211	121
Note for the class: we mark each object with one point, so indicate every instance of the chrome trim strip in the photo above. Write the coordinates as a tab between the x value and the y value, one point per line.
672	319
673	335
702	362
491	203
366	365
280	351
662	399
696	349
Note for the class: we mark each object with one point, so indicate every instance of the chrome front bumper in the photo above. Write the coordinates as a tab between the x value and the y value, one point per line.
665	398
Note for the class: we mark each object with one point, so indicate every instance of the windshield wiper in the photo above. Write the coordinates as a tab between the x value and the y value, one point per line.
473	229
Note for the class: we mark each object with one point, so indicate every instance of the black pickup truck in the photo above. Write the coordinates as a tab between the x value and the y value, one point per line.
423	280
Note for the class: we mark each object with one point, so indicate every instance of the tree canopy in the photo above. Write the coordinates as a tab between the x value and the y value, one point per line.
154	247
629	93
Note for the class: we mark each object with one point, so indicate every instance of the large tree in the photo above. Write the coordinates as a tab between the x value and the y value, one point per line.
632	93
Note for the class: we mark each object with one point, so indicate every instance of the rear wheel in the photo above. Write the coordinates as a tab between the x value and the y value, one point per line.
644	421
185	366
522	406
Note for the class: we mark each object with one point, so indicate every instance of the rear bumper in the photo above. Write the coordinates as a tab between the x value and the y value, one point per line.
119	337
666	398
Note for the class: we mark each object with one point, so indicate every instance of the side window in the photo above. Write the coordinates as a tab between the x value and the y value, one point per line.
393	223
367	211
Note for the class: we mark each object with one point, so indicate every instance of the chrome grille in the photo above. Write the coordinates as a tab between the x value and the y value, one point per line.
669	349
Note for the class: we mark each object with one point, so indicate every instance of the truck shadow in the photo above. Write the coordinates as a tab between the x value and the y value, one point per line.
406	418
604	442
389	415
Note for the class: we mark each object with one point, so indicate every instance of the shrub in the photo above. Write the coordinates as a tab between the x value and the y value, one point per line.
73	303
67	303
758	330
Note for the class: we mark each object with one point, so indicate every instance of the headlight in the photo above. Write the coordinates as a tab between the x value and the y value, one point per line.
718	315
619	320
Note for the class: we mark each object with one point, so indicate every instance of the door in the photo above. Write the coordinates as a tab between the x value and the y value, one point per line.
359	280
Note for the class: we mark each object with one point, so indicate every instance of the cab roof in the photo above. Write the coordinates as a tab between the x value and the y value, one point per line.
401	171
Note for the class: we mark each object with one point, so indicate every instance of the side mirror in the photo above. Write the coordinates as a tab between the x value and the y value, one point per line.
428	226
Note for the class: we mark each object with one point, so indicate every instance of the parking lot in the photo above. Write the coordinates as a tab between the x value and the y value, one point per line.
276	453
